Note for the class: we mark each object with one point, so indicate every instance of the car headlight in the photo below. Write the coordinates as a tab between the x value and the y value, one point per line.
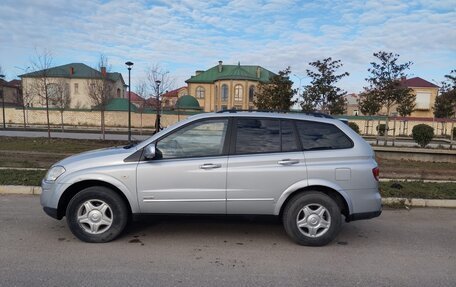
54	173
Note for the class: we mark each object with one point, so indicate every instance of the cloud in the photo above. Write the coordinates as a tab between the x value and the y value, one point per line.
191	35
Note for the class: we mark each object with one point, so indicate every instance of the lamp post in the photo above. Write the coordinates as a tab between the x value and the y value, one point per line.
157	121
3	102
129	64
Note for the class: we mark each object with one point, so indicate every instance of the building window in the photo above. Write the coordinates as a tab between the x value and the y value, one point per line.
423	101
251	93
224	107
224	93
200	92
118	92
238	93
76	88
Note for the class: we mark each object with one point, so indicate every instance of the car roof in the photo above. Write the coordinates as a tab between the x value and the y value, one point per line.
318	117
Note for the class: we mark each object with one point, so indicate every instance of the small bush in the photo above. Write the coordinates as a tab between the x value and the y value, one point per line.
354	127
381	129
422	134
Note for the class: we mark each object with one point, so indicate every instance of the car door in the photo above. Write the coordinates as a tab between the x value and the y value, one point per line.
188	173
265	159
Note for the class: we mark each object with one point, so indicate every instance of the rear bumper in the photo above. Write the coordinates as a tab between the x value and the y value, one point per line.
363	215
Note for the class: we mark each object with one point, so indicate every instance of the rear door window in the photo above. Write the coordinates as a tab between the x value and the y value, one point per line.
320	136
265	136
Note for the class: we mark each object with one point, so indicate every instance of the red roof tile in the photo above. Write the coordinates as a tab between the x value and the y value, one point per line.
134	97
173	93
418	82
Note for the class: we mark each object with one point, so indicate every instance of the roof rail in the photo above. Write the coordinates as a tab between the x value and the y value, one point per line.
314	114
261	111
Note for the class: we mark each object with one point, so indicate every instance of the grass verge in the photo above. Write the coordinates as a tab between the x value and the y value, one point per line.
21	177
418	189
54	145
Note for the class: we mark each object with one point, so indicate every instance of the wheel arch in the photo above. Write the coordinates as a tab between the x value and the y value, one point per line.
341	200
73	189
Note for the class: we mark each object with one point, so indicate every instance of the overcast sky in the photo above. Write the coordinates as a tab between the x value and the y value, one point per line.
189	35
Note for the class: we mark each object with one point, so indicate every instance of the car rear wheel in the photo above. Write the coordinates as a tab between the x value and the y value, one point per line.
312	218
96	214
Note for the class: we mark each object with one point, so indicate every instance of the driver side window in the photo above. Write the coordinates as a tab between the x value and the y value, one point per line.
200	139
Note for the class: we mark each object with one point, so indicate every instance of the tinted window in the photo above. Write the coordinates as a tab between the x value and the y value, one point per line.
257	136
199	139
288	137
315	135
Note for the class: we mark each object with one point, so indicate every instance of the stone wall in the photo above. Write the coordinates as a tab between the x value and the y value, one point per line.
88	118
403	126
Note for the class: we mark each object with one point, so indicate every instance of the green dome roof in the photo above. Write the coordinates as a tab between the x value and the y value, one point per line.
188	102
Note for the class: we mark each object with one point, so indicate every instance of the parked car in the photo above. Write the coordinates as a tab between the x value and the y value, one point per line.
310	171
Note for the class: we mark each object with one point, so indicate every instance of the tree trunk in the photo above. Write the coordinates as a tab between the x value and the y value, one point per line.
102	124
385	142
47	114
141	128
23	113
61	120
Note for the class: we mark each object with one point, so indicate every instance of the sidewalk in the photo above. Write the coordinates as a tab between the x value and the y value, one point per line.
415	202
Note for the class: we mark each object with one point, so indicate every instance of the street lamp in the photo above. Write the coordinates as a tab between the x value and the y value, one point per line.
3	102
157	121
129	64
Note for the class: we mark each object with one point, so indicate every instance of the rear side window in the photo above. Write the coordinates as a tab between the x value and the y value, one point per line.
319	136
265	136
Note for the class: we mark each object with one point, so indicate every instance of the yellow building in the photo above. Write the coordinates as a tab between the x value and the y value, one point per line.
227	86
75	78
425	93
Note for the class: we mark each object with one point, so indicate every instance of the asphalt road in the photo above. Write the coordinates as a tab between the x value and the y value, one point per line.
400	248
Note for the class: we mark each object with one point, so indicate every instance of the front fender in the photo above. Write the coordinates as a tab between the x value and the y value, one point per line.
309	183
127	188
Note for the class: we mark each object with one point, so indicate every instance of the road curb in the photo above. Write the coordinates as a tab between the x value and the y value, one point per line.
20	189
417	202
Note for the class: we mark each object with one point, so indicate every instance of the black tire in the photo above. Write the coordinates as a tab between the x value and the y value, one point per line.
116	212
294	211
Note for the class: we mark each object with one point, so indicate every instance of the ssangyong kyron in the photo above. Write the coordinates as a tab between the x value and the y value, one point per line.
310	171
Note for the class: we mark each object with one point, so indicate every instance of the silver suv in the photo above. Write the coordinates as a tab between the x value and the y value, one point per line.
307	170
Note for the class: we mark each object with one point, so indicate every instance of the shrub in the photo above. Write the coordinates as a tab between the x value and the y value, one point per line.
422	134
354	127
381	129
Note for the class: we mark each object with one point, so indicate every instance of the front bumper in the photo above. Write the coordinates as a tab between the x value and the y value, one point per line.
52	212
49	198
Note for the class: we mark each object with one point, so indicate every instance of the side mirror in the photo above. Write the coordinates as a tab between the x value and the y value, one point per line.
149	151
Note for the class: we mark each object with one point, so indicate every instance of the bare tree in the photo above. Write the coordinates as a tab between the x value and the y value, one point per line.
61	99
101	89
158	79
142	91
41	64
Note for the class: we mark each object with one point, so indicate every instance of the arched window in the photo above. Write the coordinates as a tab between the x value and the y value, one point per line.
251	93
200	92
238	93
224	93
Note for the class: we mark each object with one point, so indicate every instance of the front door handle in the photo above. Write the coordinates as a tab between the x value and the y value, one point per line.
210	166
288	161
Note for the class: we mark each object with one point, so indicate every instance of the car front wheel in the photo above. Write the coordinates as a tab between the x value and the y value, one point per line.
312	218
96	214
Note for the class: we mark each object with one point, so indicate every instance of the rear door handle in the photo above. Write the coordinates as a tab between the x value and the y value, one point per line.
210	166
288	161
